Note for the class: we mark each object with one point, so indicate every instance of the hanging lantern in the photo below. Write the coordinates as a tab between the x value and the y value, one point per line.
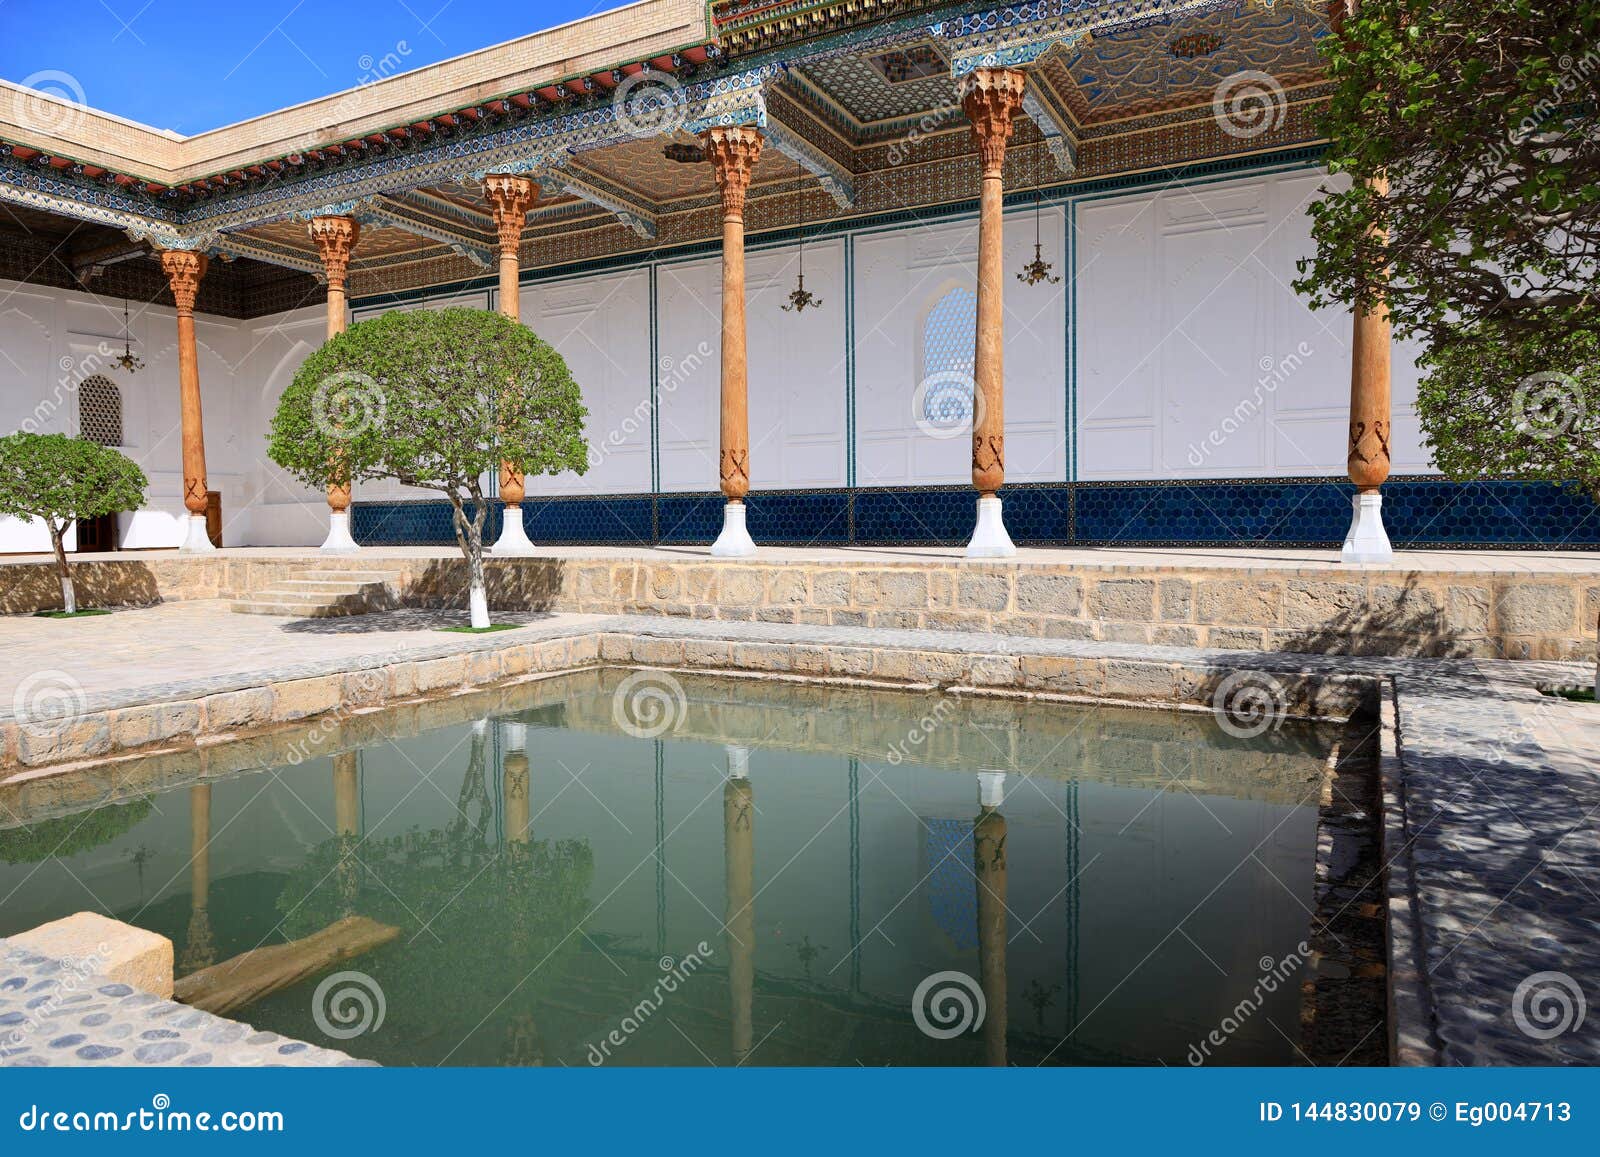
1038	269
127	359
801	298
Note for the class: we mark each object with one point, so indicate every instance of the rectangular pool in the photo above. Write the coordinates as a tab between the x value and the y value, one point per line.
637	868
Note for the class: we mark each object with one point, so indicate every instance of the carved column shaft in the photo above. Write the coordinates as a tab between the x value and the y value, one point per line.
991	98
1369	390
184	270
336	239
510	197
989	855
733	152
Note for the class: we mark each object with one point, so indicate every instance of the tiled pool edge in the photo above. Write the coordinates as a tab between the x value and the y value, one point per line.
55	1013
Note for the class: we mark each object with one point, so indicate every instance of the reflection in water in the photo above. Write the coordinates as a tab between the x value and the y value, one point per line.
527	936
989	860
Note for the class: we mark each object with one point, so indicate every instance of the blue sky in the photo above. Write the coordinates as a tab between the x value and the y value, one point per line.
192	66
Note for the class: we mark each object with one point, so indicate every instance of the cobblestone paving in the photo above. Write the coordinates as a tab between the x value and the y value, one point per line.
51	1014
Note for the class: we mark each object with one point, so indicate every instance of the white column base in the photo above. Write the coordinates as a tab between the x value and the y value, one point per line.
989	537
991	788
514	736
1367	540
738	761
734	541
339	540
195	538
513	542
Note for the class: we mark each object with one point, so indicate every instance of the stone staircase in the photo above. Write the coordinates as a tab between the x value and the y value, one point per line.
326	592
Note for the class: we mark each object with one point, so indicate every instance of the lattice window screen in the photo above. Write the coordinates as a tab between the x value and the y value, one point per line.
100	411
947	339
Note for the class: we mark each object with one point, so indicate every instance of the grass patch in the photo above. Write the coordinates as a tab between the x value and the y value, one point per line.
1576	694
83	614
483	630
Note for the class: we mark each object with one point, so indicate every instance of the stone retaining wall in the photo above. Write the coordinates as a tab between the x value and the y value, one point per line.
1492	613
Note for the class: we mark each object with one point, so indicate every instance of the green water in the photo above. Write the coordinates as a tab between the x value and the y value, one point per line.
768	880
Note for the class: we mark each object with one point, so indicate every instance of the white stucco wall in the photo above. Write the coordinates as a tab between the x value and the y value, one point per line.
1190	357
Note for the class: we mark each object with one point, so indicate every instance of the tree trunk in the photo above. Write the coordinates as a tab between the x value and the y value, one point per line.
469	534
69	595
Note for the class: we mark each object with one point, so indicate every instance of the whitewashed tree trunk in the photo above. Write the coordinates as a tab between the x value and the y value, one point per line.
69	594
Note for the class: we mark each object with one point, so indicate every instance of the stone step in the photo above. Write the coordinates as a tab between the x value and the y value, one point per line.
293	610
318	586
353	576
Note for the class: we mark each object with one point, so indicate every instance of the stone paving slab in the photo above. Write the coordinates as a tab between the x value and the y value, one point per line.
54	1014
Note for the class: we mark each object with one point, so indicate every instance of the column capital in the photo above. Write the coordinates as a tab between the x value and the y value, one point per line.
733	151
510	197
991	98
184	269
335	238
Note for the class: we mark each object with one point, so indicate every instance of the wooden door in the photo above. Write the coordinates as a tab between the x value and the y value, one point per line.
214	516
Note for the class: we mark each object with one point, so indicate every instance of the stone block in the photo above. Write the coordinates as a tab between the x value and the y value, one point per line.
664	583
776	614
1049	594
895	620
482	667
658	652
300	698
1134	680
153	723
851	662
741	586
1233	639
787	586
440	674
984	592
82	738
918	666
233	710
1319	604
95	945
1063	674
1467	610
1177	599
761	657
831	588
1126	600
995	671
1533	608
1236	602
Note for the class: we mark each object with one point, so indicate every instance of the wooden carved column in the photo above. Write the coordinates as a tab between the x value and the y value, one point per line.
991	98
510	197
1368	461
733	152
335	239
184	270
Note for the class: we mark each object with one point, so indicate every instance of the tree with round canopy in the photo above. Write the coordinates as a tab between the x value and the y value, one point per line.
60	480
434	399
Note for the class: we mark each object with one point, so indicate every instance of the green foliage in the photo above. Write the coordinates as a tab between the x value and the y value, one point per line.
430	398
1480	116
68	835
59	479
